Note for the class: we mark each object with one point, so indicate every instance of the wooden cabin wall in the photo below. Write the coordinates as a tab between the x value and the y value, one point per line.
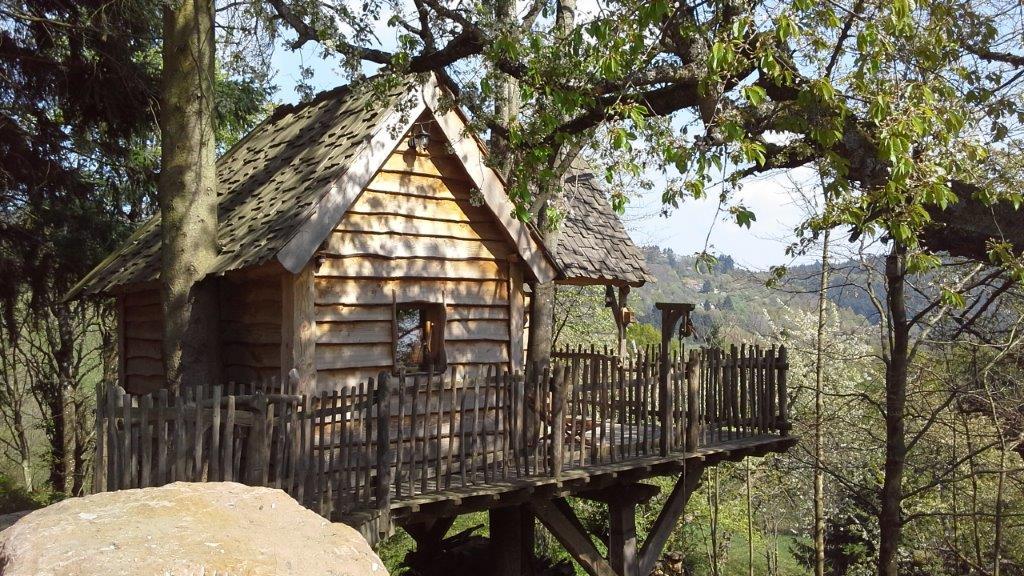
250	331
140	341
416	234
251	314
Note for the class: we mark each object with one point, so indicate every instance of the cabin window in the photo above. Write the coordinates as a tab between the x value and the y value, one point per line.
419	337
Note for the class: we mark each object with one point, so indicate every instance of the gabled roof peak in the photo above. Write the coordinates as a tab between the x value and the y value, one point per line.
286	184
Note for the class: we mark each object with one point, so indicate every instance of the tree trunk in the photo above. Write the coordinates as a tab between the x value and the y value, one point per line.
542	301
82	447
24	450
506	102
187	194
890	517
57	397
819	373
542	309
750	526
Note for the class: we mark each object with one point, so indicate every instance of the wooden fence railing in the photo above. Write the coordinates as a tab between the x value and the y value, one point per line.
393	438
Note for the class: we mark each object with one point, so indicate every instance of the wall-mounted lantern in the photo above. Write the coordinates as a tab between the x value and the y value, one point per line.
420	138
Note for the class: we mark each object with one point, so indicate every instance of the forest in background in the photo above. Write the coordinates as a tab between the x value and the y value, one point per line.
965	504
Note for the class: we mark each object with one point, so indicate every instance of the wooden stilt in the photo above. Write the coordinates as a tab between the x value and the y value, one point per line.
511	534
622	547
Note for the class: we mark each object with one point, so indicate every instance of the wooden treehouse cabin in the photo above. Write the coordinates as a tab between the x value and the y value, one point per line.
374	291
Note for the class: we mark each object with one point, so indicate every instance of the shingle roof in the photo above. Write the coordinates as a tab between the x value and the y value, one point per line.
594	246
268	183
271	182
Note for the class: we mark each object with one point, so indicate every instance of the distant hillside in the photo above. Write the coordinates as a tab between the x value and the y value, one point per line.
738	297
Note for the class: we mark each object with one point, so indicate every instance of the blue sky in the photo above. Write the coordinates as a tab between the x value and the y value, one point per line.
772	198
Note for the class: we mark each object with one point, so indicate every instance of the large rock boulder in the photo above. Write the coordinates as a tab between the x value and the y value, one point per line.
222	529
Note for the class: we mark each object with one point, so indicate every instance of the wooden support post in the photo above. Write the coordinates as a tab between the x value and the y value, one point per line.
384	458
560	519
782	364
671	315
622	547
511	539
622	501
692	401
621	316
668	518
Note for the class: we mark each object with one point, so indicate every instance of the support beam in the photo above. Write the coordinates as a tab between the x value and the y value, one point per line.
511	536
671	314
669	516
638	493
560	519
622	547
621	315
430	533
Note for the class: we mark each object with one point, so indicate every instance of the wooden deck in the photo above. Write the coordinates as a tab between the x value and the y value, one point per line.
498	493
397	450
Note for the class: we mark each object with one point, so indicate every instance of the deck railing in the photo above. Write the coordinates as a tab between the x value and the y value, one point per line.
392	438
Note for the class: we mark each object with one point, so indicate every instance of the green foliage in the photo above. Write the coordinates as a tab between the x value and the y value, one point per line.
14	498
643	334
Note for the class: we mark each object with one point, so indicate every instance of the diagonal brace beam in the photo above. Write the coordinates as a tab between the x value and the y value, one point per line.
669	516
560	519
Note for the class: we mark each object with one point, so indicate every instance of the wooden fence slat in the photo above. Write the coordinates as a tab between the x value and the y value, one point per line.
320	491
335	478
439	452
126	439
413	434
368	432
383	424
451	431
462	433
146	440
227	462
99	465
400	437
475	443
113	451
197	437
425	460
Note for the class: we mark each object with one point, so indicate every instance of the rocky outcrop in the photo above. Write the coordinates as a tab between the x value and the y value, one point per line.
222	529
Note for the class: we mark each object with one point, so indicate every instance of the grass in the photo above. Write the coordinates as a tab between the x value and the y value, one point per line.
736	564
393	550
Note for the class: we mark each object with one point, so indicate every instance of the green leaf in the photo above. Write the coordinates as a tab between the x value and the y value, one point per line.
755	94
952	298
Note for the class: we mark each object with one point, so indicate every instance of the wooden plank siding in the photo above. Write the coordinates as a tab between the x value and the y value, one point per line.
416	234
141	340
251	315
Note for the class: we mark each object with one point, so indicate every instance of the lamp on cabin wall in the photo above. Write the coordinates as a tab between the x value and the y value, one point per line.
420	138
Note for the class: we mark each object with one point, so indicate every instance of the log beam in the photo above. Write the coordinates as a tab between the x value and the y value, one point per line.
560	519
511	537
669	516
637	493
622	542
430	533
